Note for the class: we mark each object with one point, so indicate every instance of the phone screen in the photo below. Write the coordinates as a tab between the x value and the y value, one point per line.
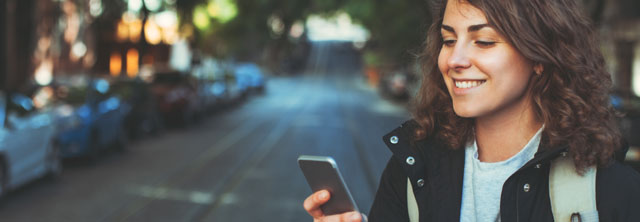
322	173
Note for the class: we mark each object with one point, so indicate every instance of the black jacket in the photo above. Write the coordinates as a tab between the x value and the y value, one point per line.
436	175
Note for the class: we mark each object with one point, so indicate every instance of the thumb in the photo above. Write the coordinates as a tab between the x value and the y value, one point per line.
352	217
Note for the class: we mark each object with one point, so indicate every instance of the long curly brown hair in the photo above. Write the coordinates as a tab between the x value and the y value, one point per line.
570	96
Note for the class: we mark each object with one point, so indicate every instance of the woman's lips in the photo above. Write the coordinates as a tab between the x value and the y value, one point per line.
467	84
463	87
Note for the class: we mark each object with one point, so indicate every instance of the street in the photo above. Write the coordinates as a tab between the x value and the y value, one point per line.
236	164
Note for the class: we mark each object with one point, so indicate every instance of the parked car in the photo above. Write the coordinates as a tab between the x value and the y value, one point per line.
249	77
209	75
176	97
90	116
27	147
401	83
234	89
143	117
629	105
396	85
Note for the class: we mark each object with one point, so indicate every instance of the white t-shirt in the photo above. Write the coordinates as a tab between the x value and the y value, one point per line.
482	183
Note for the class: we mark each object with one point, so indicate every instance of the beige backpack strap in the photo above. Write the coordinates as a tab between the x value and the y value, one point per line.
573	197
412	204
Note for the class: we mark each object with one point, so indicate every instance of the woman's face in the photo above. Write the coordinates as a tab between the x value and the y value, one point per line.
485	75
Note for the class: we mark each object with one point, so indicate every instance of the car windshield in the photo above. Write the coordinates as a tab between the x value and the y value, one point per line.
168	78
75	95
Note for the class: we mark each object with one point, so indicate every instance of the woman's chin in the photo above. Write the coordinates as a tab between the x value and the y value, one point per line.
465	112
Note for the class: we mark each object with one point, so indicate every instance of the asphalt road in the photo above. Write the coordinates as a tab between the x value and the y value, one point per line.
238	164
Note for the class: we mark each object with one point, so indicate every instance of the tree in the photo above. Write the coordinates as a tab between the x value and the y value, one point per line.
397	28
249	35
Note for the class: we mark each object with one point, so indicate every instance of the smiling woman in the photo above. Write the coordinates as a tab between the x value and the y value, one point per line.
510	88
486	76
478	63
505	43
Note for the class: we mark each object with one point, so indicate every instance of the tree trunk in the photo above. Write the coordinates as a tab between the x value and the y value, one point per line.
624	54
278	51
19	38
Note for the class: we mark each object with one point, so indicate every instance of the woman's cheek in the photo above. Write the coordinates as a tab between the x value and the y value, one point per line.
444	68
442	62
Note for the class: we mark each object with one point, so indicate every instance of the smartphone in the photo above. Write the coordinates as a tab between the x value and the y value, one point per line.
322	174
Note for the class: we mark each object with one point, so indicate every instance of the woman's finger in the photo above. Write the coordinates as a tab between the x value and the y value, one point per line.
352	216
312	203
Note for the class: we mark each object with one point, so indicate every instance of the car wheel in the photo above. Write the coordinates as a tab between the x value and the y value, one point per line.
54	161
121	141
94	148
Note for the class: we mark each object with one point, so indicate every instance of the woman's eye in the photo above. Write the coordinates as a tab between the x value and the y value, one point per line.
485	43
449	42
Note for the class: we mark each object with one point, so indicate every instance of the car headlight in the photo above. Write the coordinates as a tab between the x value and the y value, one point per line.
633	154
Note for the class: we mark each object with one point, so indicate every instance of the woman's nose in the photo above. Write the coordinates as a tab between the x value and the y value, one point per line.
459	58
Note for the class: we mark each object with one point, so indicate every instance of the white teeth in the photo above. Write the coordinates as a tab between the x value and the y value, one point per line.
468	84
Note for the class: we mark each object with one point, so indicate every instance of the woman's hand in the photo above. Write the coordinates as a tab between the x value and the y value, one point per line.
312	205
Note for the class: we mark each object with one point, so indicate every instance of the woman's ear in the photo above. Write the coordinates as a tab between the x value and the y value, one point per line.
538	69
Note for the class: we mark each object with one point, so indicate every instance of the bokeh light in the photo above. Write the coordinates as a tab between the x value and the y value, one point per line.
134	5
222	10
95	7
153	5
636	70
44	72
132	62
152	32
339	27
201	18
115	64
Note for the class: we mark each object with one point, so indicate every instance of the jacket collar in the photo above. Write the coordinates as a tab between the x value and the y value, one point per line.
401	142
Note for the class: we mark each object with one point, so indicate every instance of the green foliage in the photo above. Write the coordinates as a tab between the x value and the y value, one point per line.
397	27
371	59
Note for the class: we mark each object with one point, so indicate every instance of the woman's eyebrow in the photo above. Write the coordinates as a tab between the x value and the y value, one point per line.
448	28
472	28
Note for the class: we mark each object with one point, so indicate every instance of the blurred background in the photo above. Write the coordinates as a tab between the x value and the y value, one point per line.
196	110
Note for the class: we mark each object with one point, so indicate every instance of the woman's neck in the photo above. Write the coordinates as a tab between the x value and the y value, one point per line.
501	136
